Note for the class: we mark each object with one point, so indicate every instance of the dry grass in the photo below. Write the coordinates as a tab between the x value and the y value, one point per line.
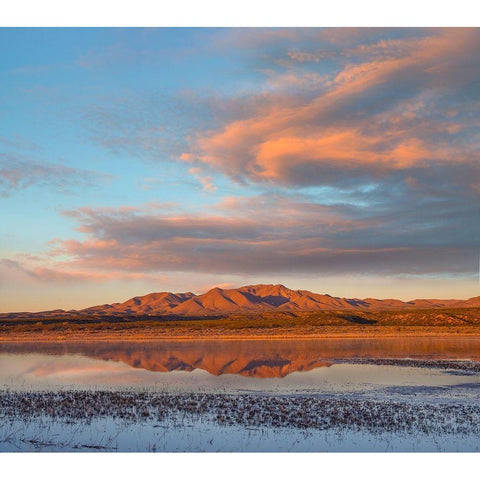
464	321
247	410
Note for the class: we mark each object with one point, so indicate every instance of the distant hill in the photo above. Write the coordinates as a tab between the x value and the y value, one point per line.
250	299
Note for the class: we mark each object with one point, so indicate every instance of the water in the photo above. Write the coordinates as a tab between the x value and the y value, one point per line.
48	372
105	434
357	370
281	366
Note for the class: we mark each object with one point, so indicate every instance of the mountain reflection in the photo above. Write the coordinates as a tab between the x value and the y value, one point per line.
257	358
249	359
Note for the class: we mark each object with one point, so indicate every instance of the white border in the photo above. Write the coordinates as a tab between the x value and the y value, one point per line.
231	466
258	13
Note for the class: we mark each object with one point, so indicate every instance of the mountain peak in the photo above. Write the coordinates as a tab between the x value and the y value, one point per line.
258	298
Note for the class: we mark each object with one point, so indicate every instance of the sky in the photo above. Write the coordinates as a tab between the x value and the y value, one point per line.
343	161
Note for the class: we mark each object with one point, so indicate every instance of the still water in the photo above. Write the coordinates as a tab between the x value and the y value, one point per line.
282	366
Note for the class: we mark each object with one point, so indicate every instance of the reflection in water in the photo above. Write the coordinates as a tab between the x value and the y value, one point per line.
255	358
261	365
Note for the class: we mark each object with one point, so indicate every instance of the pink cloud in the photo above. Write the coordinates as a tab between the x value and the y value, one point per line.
205	180
346	126
66	272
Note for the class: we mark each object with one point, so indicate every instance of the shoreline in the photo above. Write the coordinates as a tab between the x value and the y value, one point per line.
138	337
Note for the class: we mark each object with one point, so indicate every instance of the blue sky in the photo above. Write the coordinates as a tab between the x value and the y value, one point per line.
344	161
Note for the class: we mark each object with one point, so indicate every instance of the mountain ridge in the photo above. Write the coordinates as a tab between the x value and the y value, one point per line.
252	299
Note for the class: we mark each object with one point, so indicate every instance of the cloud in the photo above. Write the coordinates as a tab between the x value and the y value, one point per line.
379	109
205	180
312	107
157	127
421	234
18	142
18	173
20	270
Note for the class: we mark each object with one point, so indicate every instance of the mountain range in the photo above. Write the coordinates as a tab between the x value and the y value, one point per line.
253	299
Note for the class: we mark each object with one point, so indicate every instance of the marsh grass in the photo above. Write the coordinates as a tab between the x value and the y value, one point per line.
149	421
247	410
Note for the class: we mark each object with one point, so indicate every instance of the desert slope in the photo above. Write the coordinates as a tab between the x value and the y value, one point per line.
261	298
247	299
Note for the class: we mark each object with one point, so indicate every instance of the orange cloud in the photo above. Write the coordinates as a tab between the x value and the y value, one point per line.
368	118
